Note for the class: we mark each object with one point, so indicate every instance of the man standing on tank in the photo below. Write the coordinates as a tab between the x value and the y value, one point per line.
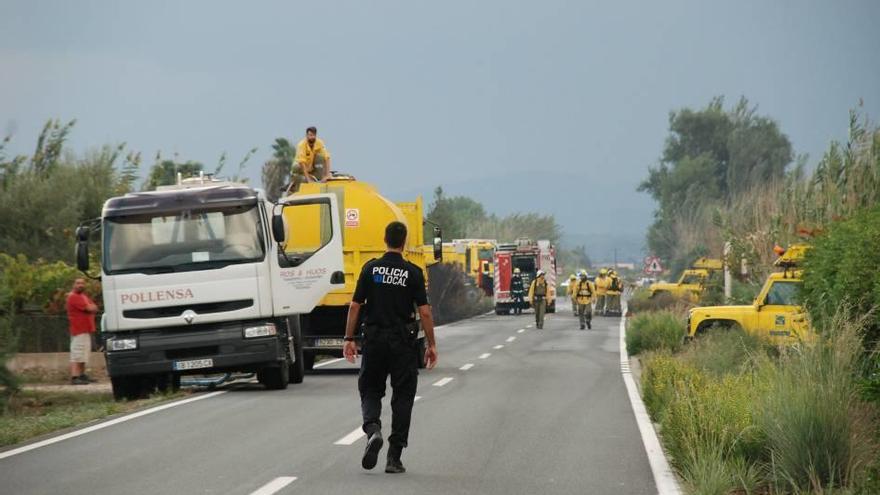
390	290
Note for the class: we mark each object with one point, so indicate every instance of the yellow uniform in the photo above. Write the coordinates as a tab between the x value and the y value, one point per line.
615	288
539	291
584	291
305	155
603	282
572	293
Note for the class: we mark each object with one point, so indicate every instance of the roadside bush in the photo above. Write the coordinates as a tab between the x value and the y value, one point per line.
39	284
739	415
662	374
819	433
725	350
641	301
453	295
713	414
654	331
706	422
843	268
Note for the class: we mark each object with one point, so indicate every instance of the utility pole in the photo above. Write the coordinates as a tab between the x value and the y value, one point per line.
728	279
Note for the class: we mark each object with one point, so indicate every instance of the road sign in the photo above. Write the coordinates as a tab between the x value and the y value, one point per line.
652	265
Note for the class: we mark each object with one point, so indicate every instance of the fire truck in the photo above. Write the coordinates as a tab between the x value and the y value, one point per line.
529	256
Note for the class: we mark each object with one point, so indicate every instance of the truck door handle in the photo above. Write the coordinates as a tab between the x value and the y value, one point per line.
338	278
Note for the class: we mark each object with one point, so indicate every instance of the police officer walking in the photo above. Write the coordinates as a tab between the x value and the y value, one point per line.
390	290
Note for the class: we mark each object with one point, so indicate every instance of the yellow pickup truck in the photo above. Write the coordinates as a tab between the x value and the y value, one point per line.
775	313
692	281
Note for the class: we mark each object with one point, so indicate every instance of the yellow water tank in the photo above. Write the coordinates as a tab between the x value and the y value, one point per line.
364	215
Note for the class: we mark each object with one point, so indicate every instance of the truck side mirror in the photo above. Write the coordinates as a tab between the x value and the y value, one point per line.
82	233
278	228
82	248
82	254
438	244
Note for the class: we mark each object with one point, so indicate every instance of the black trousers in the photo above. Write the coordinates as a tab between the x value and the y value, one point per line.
518	303
384	353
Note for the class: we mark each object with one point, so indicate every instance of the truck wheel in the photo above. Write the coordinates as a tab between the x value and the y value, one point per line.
308	361
168	382
421	345
128	387
297	367
276	377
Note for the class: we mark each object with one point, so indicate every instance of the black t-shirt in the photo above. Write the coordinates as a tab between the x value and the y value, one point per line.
392	288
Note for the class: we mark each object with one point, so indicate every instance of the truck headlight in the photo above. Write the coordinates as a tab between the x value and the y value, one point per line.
117	344
260	331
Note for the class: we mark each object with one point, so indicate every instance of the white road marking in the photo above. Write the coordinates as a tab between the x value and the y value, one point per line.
106	424
521	330
358	432
485	355
529	326
274	485
351	438
467	367
663	477
511	339
442	381
499	346
328	362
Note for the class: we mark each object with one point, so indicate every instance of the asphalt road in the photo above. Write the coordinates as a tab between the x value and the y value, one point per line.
546	413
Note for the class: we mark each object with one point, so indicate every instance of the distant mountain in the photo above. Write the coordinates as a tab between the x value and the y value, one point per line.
601	216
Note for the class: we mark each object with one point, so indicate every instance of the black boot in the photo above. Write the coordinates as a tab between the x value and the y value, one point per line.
394	465
371	451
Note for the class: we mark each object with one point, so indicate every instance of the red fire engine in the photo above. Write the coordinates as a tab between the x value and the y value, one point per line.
529	256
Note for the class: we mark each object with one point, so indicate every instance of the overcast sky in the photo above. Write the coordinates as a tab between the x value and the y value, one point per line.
521	104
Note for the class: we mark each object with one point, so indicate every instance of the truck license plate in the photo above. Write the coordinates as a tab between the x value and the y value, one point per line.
193	364
329	342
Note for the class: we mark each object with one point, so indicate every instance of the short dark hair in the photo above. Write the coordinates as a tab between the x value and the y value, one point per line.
395	235
312	129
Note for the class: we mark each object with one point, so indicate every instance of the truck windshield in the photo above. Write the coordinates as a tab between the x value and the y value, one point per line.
691	279
784	293
182	241
526	264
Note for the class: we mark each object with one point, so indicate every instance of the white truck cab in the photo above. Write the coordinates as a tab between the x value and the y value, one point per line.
196	280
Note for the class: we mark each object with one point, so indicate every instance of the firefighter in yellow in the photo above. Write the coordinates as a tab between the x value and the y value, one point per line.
603	282
615	289
539	291
572	293
584	291
305	166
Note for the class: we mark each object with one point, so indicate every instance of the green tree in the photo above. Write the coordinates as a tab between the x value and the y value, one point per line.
164	172
711	157
44	197
454	214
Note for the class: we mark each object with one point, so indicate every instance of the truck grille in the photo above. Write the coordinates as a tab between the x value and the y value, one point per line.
171	311
192	352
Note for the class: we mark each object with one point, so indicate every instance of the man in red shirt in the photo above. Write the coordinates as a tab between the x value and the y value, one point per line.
81	314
